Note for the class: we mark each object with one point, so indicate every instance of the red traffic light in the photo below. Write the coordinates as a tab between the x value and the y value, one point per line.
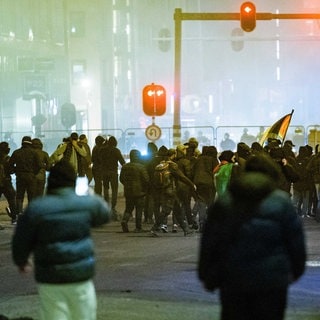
154	100
248	16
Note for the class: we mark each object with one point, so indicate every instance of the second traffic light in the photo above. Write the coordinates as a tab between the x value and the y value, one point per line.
154	100
248	16
68	115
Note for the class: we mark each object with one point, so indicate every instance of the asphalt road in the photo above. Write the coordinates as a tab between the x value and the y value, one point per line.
143	277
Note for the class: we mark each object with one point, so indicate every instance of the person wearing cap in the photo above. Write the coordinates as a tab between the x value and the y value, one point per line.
287	148
55	231
25	164
192	150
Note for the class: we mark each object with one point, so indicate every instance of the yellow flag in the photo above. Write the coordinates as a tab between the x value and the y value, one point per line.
278	130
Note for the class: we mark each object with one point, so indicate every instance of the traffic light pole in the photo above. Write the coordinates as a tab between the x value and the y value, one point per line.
177	78
179	16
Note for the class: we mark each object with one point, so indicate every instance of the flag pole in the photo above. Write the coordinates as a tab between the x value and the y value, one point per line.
292	111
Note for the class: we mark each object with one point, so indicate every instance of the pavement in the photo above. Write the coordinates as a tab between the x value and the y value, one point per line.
125	304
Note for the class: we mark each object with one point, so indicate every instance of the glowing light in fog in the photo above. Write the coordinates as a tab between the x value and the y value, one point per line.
278	74
172	103
278	49
30	36
210	103
86	83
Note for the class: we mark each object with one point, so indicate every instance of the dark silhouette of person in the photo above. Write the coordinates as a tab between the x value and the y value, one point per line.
227	143
253	245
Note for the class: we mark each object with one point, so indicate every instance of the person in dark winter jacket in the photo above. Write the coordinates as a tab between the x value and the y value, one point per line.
304	186
135	180
161	155
25	164
6	187
256	148
313	168
41	176
203	178
110	157
288	172
96	165
148	162
184	192
253	245
242	154
55	230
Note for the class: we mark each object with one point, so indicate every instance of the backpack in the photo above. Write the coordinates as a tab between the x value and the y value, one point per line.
162	175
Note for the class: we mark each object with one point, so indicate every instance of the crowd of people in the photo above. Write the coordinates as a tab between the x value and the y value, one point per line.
198	176
247	205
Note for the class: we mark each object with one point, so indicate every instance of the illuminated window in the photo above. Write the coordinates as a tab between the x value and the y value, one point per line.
77	24
78	71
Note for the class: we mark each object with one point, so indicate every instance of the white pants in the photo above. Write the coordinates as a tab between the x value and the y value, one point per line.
73	301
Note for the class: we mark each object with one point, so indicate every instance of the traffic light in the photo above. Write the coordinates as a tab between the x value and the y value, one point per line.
154	100
237	43
164	41
248	16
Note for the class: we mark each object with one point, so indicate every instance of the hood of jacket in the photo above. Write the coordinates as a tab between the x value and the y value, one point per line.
135	155
251	188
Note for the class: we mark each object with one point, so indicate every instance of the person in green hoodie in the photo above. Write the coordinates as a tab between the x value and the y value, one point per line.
225	171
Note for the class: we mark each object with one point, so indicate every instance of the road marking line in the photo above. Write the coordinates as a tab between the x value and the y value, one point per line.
313	263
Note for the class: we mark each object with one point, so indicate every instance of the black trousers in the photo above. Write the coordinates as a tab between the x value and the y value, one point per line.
131	204
257	305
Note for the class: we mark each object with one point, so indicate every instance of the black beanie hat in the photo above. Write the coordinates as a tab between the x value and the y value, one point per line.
62	175
226	155
163	151
4	147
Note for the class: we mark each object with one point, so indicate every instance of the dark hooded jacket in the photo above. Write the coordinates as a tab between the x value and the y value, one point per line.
204	166
253	239
134	176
